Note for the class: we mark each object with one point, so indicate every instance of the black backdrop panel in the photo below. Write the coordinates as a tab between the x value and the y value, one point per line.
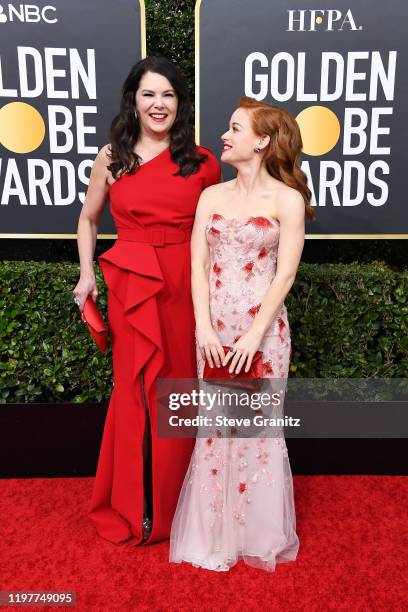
61	74
342	73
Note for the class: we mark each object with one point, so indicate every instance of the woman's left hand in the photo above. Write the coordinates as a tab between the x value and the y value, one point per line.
245	349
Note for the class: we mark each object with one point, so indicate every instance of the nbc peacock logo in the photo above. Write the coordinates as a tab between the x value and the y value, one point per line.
27	13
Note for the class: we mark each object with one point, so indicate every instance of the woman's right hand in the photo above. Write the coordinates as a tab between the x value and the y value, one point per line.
210	345
86	286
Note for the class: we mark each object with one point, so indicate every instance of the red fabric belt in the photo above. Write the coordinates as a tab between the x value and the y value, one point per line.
155	237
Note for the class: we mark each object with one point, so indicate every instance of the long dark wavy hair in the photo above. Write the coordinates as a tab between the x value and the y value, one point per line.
282	155
125	128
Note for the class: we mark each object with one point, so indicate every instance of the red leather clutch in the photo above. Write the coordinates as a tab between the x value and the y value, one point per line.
251	380
95	323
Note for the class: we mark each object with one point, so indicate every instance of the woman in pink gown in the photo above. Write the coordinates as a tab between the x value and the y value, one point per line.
237	498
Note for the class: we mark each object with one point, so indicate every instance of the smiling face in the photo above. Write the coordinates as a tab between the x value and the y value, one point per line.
156	103
240	140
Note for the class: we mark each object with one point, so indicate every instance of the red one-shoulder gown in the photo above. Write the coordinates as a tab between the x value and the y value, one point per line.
151	322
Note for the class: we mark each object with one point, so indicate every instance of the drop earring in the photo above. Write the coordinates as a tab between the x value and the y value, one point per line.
136	114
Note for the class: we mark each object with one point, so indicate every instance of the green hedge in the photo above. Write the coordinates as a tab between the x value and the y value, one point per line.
346	321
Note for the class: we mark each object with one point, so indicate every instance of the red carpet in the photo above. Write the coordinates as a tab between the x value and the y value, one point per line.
353	553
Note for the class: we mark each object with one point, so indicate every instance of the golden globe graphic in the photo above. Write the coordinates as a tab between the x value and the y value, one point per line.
60	88
320	129
22	129
341	77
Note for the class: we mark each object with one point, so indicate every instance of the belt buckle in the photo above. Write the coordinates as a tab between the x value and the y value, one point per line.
158	237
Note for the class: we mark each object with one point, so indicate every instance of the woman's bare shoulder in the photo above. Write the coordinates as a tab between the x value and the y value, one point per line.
104	153
102	161
211	197
289	204
287	194
210	192
218	189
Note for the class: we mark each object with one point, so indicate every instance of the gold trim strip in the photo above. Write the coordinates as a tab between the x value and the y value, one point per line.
142	28
307	236
107	236
197	70
356	236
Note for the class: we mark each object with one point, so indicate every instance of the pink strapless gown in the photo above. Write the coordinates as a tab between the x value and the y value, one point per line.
237	499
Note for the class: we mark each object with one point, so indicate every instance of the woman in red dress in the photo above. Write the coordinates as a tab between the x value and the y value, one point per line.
154	174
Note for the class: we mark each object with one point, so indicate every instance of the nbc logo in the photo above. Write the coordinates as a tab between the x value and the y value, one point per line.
27	13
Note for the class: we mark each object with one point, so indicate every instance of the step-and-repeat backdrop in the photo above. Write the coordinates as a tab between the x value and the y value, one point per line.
62	66
341	69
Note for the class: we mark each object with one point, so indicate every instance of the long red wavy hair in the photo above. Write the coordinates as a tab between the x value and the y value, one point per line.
281	157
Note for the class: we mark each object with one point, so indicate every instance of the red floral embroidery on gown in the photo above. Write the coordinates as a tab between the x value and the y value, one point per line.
237	498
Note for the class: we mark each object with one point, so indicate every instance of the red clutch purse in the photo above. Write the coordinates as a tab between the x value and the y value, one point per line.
95	322
251	380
